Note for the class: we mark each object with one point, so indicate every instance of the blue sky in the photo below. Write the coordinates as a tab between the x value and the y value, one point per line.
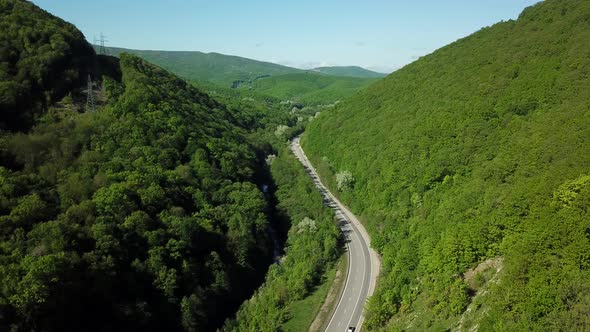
382	35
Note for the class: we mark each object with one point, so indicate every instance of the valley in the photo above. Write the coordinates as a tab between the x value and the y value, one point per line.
199	191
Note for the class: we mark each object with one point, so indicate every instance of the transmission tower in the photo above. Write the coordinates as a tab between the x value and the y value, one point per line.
90	105
102	49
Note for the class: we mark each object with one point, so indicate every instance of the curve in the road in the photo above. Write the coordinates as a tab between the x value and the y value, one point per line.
363	262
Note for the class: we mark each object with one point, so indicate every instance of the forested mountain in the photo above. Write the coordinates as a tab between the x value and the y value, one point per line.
350	71
307	92
42	58
472	172
143	213
258	78
309	88
216	68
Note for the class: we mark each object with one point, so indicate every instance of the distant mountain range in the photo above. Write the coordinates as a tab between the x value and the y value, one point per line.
216	68
322	85
220	68
350	71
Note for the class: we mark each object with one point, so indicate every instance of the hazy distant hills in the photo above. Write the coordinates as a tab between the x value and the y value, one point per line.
319	86
350	71
216	68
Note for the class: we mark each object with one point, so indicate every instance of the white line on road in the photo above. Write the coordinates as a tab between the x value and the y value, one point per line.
357	240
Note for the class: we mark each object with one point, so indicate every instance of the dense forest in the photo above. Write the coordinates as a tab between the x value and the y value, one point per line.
470	168
145	209
147	202
143	214
42	58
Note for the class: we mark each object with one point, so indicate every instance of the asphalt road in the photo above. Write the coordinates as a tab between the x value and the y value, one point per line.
363	262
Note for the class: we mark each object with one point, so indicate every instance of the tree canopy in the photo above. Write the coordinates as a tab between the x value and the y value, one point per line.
143	214
475	152
42	58
145	211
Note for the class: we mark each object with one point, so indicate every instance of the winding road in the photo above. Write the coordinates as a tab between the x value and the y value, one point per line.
363	262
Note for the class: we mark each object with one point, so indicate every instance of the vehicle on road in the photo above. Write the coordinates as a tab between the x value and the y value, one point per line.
363	263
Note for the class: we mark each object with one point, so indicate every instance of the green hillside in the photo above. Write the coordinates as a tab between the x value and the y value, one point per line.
143	213
350	71
42	58
253	77
142	210
216	68
308	87
476	156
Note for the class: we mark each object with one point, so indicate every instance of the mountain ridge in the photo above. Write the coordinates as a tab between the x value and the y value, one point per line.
351	71
246	75
186	63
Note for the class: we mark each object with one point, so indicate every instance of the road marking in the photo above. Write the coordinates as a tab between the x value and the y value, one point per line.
342	296
349	228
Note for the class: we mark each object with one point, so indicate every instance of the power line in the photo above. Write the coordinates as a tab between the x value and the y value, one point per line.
102	49
90	104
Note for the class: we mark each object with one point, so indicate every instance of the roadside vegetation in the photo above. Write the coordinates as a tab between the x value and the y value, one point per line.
313	248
